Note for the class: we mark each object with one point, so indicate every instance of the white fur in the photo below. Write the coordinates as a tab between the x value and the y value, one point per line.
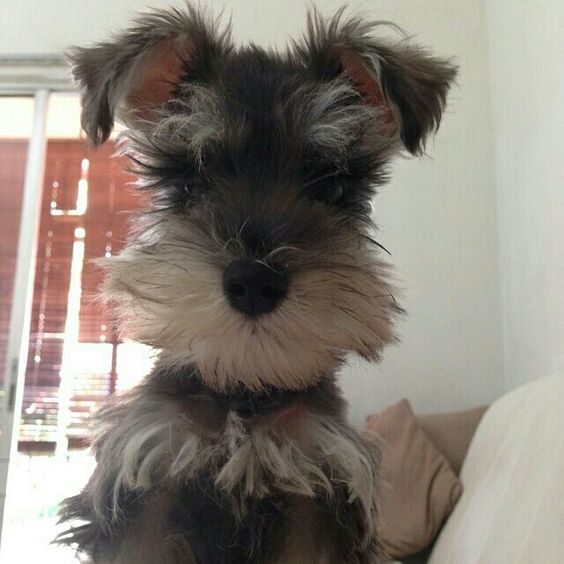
333	126
155	441
168	292
198	120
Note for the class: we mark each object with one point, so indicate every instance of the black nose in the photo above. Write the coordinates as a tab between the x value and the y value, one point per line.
253	288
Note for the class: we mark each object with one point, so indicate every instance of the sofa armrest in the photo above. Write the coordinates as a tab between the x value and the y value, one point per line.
511	509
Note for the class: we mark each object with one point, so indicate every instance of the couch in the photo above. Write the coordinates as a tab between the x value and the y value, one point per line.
507	504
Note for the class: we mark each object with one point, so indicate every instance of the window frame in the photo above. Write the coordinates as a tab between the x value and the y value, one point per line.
38	77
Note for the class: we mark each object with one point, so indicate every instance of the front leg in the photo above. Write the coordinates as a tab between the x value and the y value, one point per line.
325	531
124	508
200	479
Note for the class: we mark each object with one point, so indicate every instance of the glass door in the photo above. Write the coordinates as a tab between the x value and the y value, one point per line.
22	144
67	357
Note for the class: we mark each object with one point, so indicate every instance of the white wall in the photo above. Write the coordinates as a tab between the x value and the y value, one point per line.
526	49
438	215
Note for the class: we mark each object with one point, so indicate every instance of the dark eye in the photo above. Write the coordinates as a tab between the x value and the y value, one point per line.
193	185
329	192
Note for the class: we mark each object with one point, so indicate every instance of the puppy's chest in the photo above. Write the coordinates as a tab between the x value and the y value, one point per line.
252	447
247	442
211	471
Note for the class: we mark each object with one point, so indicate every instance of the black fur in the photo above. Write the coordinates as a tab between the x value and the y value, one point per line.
229	454
201	516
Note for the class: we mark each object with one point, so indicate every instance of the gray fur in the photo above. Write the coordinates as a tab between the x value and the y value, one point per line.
150	440
236	448
108	72
414	82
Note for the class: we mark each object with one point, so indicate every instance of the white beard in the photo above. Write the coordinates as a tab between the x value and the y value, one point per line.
168	290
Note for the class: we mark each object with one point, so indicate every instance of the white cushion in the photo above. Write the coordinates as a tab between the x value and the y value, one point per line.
512	507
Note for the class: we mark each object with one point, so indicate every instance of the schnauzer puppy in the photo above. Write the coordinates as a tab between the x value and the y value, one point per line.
254	273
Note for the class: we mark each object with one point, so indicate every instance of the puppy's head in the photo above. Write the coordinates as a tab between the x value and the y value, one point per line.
256	262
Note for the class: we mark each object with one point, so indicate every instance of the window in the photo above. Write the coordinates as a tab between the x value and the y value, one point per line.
73	344
74	358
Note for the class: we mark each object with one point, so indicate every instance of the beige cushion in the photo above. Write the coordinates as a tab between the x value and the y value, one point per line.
512	509
420	489
451	433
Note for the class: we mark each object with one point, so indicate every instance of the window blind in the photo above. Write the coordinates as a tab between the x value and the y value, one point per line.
85	210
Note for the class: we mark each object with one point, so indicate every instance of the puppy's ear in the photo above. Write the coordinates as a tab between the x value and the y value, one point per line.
403	80
130	77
